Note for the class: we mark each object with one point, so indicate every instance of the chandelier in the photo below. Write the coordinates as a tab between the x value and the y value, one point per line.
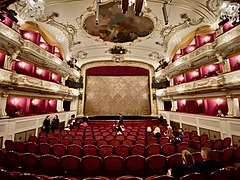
230	11
137	3
35	8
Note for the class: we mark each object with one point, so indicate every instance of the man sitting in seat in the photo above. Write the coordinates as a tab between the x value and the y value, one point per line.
208	164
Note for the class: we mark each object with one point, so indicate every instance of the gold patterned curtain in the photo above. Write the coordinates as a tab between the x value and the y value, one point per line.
201	31
47	36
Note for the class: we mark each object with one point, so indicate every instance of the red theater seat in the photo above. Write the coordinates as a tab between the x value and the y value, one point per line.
30	162
135	165
31	147
9	145
5	175
90	150
194	176
91	165
19	147
223	173
105	150
168	149
59	150
156	164
161	177
13	159
113	165
153	149
138	149
74	150
70	165
226	142
122	150
174	160
45	148
49	164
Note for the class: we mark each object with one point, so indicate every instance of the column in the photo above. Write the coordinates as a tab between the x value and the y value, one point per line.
3	102
160	104
10	58
174	105
236	111
60	106
225	62
230	103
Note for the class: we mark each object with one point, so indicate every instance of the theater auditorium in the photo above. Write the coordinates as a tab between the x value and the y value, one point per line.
119	89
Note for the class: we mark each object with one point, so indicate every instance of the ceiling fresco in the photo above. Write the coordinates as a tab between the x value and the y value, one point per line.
114	26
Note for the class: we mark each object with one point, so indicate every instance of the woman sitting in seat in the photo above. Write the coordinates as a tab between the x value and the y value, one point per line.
185	168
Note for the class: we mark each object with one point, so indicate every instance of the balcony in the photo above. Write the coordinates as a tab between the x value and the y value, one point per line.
18	82
211	87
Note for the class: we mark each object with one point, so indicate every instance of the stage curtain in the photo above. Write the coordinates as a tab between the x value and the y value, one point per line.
47	36
201	31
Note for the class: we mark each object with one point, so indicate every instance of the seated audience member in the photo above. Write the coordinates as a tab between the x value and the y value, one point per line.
149	129
185	168
119	129
208	165
85	122
180	133
219	113
192	146
19	113
157	133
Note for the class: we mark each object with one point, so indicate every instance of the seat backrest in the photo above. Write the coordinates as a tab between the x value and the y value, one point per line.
91	164
31	147
113	165
223	173
197	157
122	150
105	150
237	155
49	163
128	142
135	163
19	147
45	148
168	149
29	161
163	140
161	177
153	149
208	143
70	164
217	144
13	159
195	176
114	142
181	146
33	139
156	163
2	158
9	145
138	149
174	160
74	150
129	178
203	137
100	142
53	140
43	139
226	156
77	142
90	150
5	175
59	150
226	142
140	141
89	141
65	141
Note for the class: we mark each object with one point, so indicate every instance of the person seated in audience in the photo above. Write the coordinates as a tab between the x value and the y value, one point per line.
192	146
46	125
149	130
219	113
119	129
185	168
19	113
85	122
208	165
157	133
180	133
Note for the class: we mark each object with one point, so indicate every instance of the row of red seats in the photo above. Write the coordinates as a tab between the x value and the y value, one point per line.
223	173
108	166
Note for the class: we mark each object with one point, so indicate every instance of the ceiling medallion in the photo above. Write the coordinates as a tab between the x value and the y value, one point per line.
114	26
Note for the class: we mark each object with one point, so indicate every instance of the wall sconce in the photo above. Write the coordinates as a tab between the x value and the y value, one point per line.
191	48
35	101
219	101
44	46
181	78
206	39
27	35
15	101
211	68
194	73
54	76
39	71
199	101
183	102
22	64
